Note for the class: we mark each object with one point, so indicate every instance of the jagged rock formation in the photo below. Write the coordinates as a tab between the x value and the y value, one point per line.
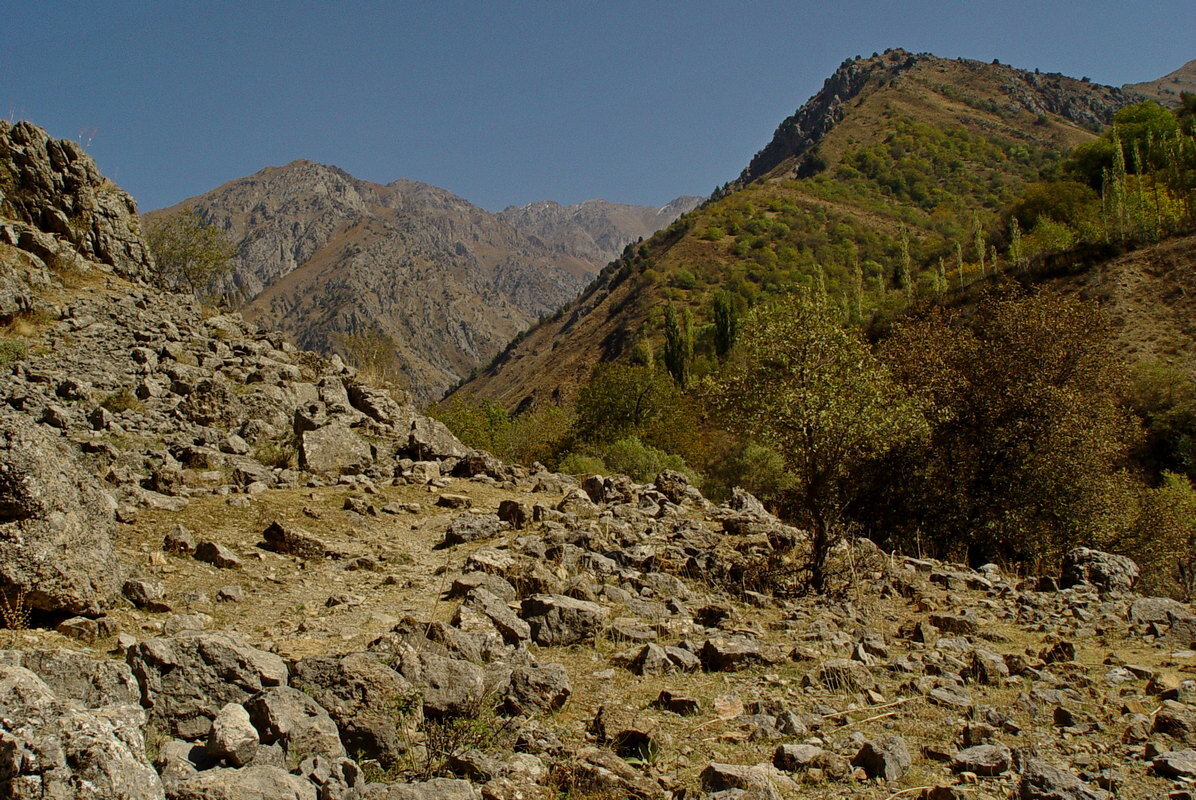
53	186
321	252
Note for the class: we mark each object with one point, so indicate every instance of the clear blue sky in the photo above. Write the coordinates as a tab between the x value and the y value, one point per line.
502	101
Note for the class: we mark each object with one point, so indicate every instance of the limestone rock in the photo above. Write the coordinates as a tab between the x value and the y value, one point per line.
251	783
471	527
334	449
559	620
1042	781
292	540
297	722
56	187
885	757
537	687
232	737
983	759
1106	571
55	524
52	748
374	707
187	679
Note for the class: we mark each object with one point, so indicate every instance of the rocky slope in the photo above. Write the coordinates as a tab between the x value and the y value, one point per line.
596	230
321	252
229	569
1167	89
894	106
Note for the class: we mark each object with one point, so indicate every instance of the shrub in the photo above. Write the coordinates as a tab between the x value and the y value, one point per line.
640	461
1164	398
1163	538
275	455
1029	443
188	252
373	353
12	351
121	400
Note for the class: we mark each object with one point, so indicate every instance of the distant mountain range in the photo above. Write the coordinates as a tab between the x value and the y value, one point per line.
320	252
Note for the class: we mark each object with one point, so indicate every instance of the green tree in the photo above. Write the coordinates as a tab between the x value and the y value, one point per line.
678	344
1029	440
726	322
188	252
625	400
810	390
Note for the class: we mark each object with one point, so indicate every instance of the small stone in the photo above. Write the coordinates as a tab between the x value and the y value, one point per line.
217	555
984	759
682	706
886	757
233	737
453	501
146	594
179	540
291	540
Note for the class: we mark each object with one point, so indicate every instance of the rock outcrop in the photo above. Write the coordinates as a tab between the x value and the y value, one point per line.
56	522
54	187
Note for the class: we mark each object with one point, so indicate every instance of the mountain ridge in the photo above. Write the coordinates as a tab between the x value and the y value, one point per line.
1008	119
321	253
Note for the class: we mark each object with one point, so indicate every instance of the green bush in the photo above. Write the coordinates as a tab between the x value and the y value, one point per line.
1163	539
1164	398
12	351
640	461
582	464
121	400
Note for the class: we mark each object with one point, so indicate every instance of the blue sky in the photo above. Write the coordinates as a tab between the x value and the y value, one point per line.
502	101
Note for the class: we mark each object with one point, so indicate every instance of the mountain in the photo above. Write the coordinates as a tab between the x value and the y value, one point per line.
891	161
1167	89
595	230
232	569
322	253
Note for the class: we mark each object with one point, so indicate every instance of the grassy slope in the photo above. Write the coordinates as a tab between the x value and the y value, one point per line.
945	139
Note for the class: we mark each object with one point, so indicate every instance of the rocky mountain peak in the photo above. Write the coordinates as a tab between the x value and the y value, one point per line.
794	144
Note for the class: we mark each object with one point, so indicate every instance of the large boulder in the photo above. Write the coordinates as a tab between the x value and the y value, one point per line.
56	748
297	722
559	620
56	524
376	709
334	449
73	675
431	439
251	783
187	679
1106	571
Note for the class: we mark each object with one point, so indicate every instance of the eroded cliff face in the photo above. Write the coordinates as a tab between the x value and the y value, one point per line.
55	188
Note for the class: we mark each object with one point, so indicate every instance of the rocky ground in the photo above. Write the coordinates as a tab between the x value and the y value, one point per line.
229	569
